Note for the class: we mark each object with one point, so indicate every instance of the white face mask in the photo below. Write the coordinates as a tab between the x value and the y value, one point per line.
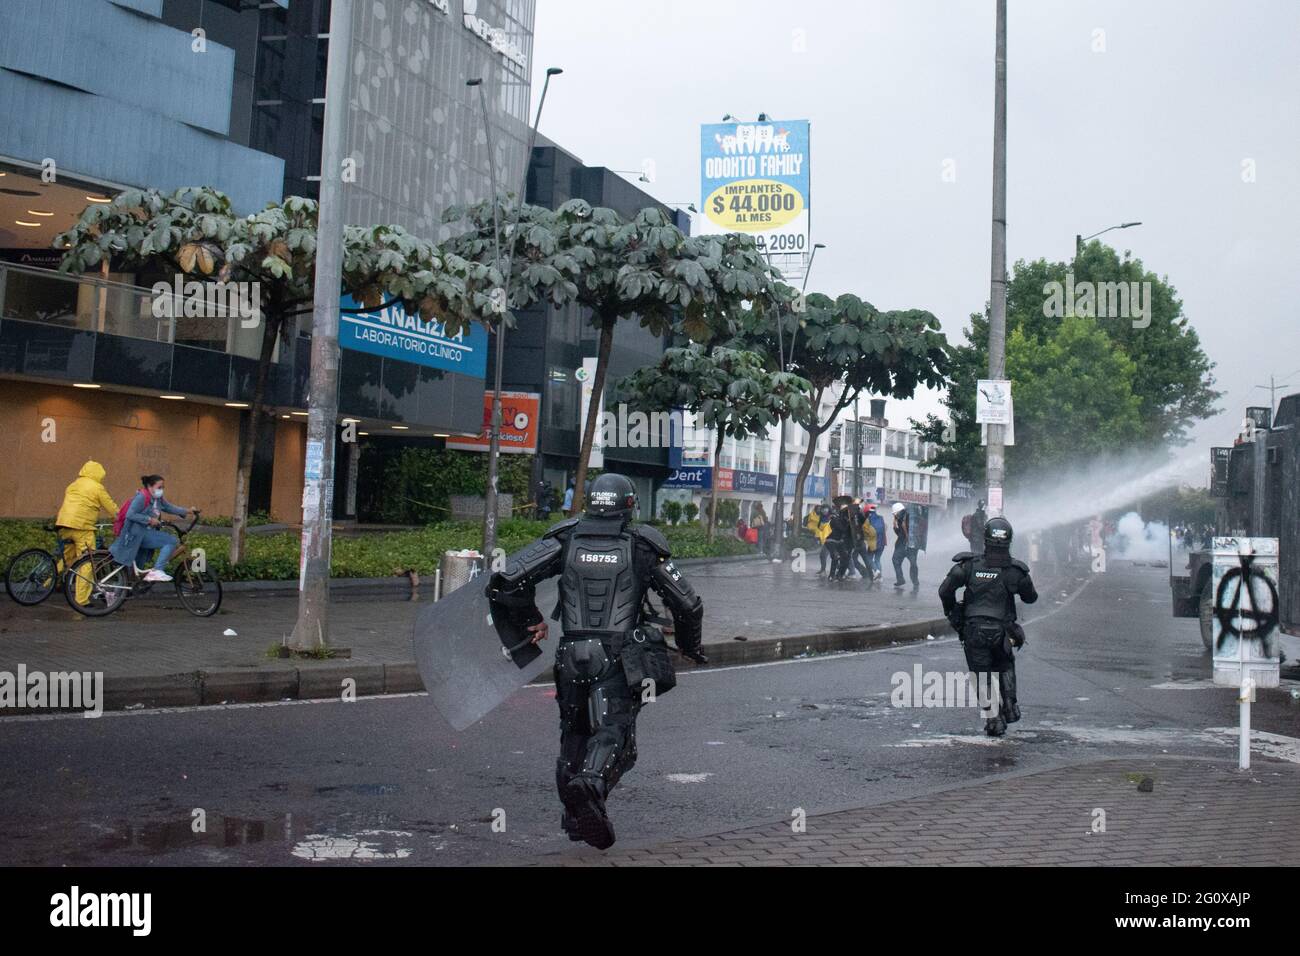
156	492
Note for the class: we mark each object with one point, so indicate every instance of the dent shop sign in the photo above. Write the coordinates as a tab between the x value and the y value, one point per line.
701	478
393	333
519	416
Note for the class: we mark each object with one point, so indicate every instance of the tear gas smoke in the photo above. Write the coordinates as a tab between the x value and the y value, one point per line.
1137	540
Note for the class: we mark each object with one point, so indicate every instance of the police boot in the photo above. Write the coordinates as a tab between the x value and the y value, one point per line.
563	776
1010	708
584	805
995	726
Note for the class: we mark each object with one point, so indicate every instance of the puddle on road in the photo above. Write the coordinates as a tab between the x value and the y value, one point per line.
223	832
305	839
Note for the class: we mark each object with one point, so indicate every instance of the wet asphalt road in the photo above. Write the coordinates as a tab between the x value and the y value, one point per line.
1107	672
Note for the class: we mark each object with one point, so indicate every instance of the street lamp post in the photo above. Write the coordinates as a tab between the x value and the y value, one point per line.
501	302
1079	240
784	547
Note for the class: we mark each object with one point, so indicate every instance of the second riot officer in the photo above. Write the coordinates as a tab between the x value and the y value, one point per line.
986	619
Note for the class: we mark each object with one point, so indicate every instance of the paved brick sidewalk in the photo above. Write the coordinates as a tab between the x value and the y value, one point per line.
1198	813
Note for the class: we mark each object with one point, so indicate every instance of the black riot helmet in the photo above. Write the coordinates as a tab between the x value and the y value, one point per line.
997	533
611	495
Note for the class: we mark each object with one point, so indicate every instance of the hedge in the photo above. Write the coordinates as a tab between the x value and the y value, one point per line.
274	557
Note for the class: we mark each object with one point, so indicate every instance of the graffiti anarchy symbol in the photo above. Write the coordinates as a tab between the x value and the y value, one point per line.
1258	619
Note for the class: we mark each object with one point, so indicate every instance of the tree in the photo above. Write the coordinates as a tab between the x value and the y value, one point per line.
845	342
195	232
729	391
1172	380
618	269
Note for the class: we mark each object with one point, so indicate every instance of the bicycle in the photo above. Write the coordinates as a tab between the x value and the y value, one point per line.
34	574
111	583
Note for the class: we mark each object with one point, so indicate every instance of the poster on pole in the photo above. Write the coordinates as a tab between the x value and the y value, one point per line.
754	179
993	402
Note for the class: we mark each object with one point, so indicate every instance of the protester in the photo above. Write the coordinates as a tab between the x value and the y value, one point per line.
758	521
903	549
861	552
972	526
840	541
567	506
819	524
878	525
82	502
141	529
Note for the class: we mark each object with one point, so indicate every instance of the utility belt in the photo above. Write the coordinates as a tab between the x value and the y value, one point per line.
642	652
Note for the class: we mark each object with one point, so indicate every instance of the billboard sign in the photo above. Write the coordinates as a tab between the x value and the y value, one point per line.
394	333
520	417
754	180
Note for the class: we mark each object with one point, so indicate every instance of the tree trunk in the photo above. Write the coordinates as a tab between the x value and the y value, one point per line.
804	467
593	412
713	498
247	447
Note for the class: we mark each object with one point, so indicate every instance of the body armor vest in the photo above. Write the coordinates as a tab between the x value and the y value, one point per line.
600	590
987	594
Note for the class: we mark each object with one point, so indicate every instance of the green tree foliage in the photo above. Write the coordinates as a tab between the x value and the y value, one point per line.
846	342
1170	383
617	269
672	511
728	390
401	484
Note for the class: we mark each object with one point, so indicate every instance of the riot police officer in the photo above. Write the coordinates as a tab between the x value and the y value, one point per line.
985	620
609	660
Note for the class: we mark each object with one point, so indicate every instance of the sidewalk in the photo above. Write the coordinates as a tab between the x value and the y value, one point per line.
1197	813
153	653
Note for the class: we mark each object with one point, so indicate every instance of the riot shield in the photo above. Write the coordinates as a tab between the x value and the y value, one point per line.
463	656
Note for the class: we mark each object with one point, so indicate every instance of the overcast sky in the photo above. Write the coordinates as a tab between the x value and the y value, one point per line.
1155	128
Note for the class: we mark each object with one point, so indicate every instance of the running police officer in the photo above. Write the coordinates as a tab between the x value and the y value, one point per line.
986	619
609	660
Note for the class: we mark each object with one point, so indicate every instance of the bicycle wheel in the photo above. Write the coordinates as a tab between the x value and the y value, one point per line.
107	582
199	591
31	576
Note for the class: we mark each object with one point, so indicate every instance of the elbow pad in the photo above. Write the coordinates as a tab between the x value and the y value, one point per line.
683	603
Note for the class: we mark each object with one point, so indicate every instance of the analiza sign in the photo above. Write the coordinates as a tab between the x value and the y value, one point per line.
394	333
495	37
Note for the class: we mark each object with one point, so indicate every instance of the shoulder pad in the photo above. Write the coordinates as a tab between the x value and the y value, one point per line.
1017	563
653	537
961	556
560	528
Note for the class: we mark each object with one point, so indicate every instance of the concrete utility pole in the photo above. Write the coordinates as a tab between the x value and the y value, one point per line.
312	629
996	463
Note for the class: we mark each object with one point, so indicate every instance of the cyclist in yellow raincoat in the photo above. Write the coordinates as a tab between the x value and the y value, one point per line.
82	501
